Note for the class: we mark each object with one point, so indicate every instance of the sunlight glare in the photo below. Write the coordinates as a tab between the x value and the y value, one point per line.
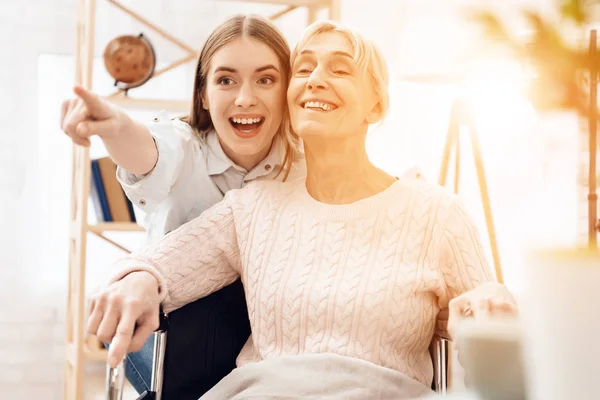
495	88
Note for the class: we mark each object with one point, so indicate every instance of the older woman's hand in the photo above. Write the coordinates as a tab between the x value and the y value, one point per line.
487	300
125	314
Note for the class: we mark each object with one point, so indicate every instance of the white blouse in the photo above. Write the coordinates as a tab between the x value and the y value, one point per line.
191	175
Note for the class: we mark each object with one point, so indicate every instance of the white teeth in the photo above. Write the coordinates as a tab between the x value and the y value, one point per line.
246	120
318	104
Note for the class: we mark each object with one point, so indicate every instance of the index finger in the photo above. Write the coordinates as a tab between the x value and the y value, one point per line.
92	101
120	343
457	310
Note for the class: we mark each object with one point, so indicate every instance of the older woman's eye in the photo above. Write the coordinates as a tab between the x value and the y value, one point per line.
341	69
303	71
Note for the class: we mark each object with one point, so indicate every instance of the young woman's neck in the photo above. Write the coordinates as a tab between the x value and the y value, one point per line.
246	161
339	170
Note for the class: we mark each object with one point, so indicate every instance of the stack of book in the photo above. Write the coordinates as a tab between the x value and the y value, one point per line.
109	200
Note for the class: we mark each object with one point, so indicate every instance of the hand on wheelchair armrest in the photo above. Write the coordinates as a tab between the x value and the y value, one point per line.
115	375
125	313
163	322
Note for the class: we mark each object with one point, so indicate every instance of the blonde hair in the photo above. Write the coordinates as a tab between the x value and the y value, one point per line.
263	31
367	56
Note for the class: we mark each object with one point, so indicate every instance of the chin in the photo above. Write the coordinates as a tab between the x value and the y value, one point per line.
248	149
309	128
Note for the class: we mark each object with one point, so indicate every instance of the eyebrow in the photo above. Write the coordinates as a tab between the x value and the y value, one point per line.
335	53
233	70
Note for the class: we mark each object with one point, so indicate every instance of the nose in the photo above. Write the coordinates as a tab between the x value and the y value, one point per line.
316	80
246	97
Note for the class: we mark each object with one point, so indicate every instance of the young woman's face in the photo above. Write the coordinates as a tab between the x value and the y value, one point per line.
245	96
327	94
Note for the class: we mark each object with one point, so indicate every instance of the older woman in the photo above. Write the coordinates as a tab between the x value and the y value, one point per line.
345	272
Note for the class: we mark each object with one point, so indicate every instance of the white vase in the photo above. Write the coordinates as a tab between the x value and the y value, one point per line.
560	316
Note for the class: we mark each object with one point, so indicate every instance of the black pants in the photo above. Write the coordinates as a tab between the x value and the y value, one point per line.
203	341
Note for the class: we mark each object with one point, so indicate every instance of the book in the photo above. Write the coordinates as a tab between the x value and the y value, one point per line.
98	194
115	196
110	202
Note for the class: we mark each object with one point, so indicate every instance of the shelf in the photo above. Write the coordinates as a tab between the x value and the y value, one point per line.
88	354
116	227
95	354
150	104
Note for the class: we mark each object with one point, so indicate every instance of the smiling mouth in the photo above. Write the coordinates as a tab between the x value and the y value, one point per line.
318	106
246	125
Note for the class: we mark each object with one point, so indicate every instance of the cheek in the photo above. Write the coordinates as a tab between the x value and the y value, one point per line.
293	91
355	104
276	102
217	100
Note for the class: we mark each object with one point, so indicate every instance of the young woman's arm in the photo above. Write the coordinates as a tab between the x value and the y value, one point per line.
176	149
129	143
149	157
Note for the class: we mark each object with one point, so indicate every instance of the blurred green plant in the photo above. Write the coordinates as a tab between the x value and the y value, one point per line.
561	79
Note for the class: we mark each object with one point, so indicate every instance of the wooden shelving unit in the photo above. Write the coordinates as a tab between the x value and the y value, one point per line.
80	347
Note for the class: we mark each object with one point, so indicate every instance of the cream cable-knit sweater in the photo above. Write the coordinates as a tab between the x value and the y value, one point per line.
364	280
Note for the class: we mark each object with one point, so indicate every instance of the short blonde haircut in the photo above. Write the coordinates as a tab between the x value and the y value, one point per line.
367	57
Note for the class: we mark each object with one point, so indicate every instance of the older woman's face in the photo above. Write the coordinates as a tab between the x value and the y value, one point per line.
328	95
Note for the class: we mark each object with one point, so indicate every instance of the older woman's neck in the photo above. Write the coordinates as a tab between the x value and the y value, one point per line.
340	172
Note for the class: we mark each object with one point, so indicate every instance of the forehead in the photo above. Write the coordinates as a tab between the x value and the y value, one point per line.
244	54
328	43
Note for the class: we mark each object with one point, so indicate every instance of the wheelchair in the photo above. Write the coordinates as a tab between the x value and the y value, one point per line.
216	329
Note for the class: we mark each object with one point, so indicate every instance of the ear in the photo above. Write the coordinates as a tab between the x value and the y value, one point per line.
375	114
204	101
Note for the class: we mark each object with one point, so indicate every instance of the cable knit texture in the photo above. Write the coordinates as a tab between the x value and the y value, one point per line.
364	280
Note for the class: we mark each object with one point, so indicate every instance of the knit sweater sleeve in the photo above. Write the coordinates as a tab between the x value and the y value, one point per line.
462	261
193	261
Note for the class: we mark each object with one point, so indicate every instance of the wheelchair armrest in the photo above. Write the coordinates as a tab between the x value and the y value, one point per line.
440	353
115	377
163	322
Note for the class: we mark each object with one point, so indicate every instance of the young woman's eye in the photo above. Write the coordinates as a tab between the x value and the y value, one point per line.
266	80
225	81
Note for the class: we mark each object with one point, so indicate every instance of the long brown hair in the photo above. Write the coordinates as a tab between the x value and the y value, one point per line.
260	29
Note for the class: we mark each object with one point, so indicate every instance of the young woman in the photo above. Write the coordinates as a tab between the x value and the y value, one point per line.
345	272
237	132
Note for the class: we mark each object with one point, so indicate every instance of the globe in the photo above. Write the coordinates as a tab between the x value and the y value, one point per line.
130	60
